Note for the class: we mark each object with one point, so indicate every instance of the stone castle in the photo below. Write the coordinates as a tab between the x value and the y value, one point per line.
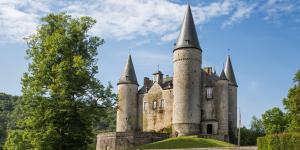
195	101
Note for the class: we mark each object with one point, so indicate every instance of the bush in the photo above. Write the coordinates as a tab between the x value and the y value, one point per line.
284	141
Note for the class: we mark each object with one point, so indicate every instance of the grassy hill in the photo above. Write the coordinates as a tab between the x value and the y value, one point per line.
185	142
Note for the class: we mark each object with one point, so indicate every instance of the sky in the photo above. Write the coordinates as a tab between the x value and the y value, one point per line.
263	37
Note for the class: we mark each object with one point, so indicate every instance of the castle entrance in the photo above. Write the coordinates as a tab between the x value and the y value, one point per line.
209	128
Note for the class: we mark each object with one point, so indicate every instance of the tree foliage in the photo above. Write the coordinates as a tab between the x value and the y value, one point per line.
274	121
62	100
292	105
7	105
249	136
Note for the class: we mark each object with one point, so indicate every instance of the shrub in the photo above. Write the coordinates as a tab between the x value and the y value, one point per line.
283	141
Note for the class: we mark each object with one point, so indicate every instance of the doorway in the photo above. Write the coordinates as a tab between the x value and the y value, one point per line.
209	128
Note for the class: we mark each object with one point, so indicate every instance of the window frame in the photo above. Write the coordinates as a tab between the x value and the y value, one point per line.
209	92
145	104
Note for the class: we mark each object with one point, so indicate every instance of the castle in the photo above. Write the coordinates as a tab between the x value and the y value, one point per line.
195	101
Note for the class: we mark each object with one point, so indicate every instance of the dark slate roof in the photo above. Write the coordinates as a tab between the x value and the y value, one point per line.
167	84
229	71
128	76
157	72
222	75
188	35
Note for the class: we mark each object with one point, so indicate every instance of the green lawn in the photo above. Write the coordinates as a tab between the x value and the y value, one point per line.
185	142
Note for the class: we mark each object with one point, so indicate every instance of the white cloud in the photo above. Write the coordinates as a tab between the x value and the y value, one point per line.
128	19
275	8
170	36
242	12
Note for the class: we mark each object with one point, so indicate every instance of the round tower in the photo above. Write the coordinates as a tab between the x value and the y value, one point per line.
232	95
223	105
127	100
187	70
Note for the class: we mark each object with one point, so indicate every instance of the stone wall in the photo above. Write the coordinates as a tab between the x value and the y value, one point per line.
125	140
161	117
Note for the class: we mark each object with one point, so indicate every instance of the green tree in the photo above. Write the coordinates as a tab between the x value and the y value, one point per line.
62	100
7	105
292	105
257	126
249	136
274	121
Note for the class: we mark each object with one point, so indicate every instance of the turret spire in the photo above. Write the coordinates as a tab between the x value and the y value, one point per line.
222	75
128	76
188	35
229	71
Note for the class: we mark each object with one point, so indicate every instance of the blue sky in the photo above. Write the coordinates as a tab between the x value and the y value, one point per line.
264	38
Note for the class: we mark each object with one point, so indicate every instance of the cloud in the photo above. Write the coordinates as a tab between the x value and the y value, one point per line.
170	36
276	8
242	12
130	19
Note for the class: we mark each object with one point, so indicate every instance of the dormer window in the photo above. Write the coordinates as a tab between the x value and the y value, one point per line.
209	92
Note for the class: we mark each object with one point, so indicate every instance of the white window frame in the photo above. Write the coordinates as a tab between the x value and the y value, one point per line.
154	105
145	105
162	103
209	92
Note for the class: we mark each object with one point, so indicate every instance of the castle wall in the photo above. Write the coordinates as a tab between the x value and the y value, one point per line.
186	81
126	140
127	108
160	118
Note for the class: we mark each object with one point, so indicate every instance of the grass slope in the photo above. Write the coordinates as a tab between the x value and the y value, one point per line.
185	142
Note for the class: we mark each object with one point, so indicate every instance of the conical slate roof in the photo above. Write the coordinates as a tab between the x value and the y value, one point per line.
188	35
222	75
229	71
128	76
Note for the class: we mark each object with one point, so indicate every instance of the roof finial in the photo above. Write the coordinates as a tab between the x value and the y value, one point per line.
158	67
228	51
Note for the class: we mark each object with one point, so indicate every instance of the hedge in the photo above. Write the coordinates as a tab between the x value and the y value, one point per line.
283	141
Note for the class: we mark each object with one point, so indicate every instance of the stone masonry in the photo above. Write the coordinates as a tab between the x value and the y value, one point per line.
195	101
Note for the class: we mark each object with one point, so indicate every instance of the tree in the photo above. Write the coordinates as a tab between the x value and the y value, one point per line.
274	121
62	100
257	126
7	105
292	105
249	136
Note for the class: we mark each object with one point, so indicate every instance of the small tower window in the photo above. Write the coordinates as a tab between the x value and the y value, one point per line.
162	103
154	106
209	93
145	106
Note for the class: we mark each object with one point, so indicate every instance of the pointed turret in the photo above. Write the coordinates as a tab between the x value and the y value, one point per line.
229	71
188	35
128	76
222	75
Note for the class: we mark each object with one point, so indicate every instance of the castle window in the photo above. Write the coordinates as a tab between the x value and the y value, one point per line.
209	92
145	106
154	106
162	103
